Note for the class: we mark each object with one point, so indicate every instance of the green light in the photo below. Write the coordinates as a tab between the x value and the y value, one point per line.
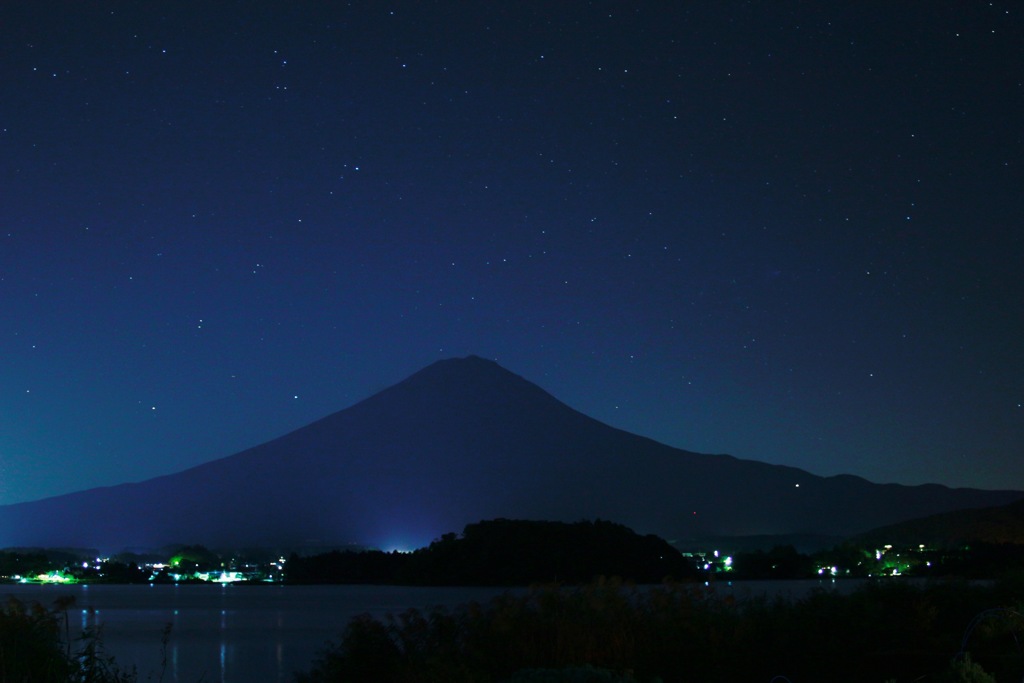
55	577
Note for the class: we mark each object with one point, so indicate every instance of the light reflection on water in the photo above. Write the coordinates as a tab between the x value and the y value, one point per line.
231	634
240	634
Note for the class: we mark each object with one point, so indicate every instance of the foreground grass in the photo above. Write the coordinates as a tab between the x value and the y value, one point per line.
35	647
609	632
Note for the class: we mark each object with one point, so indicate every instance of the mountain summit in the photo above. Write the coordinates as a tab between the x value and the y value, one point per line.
460	441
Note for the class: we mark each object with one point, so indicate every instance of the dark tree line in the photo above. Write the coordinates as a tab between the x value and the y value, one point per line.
26	563
506	552
781	562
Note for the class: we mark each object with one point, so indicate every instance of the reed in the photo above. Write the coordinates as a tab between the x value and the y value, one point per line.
685	632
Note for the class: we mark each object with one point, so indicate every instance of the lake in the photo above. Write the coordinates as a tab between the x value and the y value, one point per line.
253	634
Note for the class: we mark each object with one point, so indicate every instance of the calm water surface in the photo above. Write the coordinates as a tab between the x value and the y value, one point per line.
254	634
229	634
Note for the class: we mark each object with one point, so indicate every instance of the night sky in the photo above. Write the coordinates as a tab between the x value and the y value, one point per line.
790	232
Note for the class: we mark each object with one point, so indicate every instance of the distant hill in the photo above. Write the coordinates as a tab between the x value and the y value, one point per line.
459	441
1003	524
507	552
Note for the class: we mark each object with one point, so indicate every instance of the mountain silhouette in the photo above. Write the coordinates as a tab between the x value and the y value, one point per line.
1000	524
460	441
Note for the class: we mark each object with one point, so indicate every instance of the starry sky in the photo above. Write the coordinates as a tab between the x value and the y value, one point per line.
787	231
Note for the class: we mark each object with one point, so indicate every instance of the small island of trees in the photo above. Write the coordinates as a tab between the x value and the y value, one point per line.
506	552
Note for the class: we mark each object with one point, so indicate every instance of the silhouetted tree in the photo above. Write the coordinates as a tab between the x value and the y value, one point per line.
507	552
781	562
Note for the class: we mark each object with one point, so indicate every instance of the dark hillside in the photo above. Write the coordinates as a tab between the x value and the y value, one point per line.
1003	524
506	552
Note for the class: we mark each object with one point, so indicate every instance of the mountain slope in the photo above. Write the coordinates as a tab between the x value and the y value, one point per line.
460	441
1000	524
